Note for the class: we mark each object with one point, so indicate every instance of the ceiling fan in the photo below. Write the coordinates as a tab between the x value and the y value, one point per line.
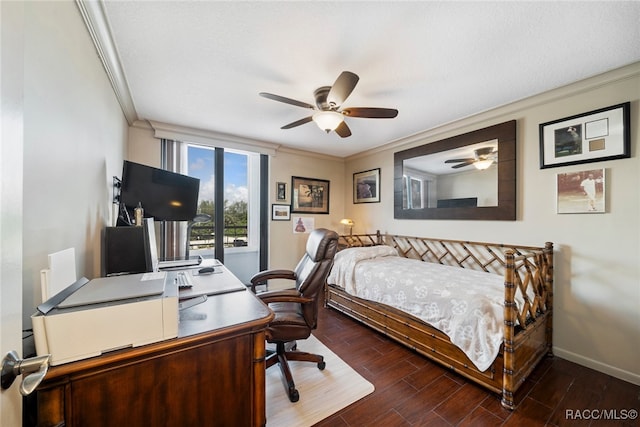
482	159
328	114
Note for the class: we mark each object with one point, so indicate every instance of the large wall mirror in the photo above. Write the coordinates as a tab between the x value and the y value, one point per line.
469	176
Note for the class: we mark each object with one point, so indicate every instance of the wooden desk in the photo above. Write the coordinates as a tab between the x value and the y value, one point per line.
213	374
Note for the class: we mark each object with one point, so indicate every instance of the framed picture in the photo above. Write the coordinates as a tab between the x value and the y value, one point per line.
280	212
309	195
303	224
590	137
366	186
281	191
581	192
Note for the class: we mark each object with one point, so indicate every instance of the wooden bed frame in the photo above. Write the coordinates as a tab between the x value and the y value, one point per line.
527	331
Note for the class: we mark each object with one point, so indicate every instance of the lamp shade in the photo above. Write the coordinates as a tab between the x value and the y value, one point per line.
483	164
349	223
327	120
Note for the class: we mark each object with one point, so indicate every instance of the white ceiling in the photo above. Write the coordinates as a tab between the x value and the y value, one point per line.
202	64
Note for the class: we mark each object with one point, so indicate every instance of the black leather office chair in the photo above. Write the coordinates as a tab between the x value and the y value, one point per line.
296	310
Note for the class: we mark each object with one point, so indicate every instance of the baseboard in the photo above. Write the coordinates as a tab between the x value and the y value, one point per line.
598	366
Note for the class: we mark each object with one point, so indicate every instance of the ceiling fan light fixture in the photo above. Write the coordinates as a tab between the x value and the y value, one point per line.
327	120
483	164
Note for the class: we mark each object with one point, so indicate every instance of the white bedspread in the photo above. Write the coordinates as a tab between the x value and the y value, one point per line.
465	304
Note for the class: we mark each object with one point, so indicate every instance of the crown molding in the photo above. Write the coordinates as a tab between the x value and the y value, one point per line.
299	152
96	22
211	138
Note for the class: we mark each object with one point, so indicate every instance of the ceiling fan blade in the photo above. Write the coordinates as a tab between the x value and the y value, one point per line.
343	130
342	88
461	165
298	123
371	113
286	100
458	160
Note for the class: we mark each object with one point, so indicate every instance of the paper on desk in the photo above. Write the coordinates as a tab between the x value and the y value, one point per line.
60	274
153	276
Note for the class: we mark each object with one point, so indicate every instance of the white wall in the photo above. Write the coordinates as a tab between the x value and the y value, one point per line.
597	275
74	141
11	163
285	247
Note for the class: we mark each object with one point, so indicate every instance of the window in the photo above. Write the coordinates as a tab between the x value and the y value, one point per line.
240	194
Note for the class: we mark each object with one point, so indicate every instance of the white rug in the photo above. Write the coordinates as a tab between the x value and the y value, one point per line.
322	393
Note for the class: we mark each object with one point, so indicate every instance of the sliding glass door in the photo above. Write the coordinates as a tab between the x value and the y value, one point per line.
228	225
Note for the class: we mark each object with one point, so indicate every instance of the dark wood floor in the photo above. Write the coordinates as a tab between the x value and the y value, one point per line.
410	390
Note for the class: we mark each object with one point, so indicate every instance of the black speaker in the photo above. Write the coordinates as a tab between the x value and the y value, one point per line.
126	250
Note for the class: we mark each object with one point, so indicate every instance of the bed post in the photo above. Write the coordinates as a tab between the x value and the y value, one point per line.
509	322
548	254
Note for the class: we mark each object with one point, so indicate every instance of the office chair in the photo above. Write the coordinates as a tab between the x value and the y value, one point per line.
296	310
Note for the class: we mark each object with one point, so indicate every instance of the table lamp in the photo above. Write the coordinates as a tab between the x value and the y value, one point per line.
349	222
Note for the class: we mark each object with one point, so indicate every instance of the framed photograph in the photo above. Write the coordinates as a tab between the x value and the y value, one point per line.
280	213
590	137
581	192
281	191
309	195
303	224
366	186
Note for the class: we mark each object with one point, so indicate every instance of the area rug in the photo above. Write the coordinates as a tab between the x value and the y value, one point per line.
322	393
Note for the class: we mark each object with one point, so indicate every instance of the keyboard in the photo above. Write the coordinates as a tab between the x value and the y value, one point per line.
183	280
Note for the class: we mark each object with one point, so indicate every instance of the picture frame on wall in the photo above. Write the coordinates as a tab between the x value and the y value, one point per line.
366	186
280	212
281	191
581	192
598	135
303	225
309	195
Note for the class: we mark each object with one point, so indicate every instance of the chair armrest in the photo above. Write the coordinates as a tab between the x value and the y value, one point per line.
272	274
285	295
263	276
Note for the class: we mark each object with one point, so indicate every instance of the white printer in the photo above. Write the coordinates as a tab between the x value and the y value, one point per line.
92	317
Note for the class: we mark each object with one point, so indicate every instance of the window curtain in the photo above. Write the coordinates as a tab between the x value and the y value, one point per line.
173	234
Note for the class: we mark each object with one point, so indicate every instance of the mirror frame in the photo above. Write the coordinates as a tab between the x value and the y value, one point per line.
505	133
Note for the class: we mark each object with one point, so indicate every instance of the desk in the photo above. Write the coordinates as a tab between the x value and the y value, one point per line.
213	374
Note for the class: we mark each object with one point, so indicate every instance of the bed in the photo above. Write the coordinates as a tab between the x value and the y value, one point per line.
483	310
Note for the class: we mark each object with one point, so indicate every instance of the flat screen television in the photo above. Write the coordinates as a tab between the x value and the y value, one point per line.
164	195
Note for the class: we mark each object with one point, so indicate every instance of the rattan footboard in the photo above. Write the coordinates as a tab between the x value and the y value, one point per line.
527	329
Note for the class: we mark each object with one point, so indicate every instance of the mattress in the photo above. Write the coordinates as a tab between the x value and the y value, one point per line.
467	305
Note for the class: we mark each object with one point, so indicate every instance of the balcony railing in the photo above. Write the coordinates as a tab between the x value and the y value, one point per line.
203	237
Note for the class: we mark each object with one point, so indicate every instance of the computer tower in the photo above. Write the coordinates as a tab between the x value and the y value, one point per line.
126	250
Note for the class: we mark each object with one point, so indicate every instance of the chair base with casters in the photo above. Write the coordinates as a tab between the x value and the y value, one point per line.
296	310
281	356
288	326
